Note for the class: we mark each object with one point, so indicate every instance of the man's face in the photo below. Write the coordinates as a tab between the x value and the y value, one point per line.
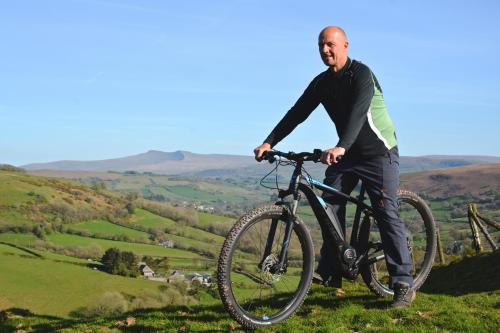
332	47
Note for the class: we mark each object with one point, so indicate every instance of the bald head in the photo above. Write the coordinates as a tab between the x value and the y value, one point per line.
333	30
333	47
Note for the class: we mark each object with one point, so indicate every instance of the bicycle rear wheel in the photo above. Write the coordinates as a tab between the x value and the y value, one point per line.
420	236
252	293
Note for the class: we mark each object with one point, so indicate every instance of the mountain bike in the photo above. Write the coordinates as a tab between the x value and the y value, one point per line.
266	263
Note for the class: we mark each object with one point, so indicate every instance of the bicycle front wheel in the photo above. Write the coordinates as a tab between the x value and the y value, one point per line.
252	292
420	236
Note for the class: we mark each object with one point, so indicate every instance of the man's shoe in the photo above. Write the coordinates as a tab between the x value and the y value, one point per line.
403	295
317	278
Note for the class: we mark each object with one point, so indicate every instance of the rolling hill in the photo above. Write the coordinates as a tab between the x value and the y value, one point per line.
42	215
217	165
466	180
62	214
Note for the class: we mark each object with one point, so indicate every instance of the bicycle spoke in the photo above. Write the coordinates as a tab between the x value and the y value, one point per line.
262	292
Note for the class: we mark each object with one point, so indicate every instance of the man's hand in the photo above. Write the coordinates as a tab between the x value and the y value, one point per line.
260	150
329	156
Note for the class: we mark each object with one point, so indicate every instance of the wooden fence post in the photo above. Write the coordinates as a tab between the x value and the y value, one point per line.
440	246
476	217
476	242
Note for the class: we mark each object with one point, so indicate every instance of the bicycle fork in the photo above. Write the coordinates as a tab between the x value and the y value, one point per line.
280	266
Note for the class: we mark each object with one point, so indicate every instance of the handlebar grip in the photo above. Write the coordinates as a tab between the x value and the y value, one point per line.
317	155
267	155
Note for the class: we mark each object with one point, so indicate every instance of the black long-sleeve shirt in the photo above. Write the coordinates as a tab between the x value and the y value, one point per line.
353	99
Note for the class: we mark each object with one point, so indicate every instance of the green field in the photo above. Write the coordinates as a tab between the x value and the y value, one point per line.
150	220
57	288
65	240
461	297
206	219
358	311
30	252
18	239
16	187
106	228
7	249
138	249
180	189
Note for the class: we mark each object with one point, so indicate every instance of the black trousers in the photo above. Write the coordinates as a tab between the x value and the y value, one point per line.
380	176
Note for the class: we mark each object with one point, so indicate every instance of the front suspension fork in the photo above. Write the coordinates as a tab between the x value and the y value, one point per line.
281	265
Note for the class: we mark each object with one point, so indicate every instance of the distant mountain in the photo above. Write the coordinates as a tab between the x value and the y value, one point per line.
474	180
219	165
178	162
429	162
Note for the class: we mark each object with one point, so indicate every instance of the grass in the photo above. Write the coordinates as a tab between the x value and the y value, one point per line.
461	297
461	277
55	288
206	219
322	311
18	239
16	186
106	228
181	189
139	249
151	220
74	240
12	250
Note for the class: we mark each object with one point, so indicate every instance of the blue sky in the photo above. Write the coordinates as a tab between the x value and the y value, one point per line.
100	79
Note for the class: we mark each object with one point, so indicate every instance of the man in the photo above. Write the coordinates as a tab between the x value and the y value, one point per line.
367	143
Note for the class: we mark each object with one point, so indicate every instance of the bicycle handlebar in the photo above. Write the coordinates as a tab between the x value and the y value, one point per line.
315	156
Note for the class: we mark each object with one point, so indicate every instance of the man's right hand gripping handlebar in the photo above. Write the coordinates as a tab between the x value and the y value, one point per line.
332	155
261	150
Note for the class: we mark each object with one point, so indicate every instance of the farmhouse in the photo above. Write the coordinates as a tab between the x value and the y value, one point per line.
204	279
145	270
167	243
176	276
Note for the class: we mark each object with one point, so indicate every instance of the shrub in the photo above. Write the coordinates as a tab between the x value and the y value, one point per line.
110	304
8	167
188	216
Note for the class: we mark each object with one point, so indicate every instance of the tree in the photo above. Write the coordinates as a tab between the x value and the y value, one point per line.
120	263
110	259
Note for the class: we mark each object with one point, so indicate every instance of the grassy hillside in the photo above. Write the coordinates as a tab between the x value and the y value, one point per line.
26	199
66	214
223	194
48	292
358	311
451	182
52	285
108	229
74	240
448	190
475	274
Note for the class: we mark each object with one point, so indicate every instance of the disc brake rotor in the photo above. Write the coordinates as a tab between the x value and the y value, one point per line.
268	264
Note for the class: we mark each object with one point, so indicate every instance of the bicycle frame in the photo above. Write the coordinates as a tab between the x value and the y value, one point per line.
329	223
